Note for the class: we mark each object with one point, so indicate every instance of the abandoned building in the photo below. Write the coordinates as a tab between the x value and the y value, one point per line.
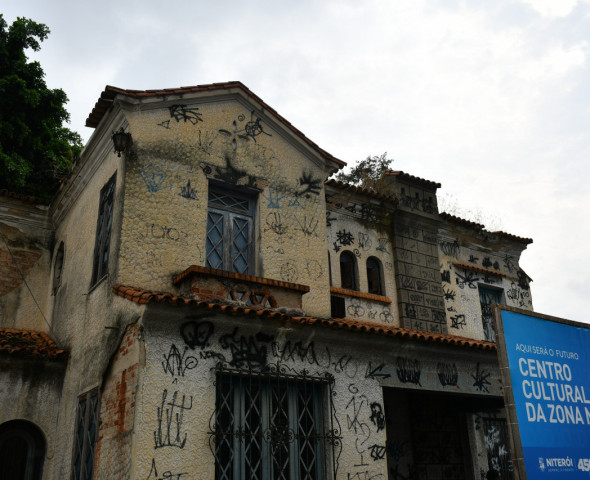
202	301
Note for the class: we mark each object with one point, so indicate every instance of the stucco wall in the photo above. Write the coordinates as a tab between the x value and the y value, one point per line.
164	225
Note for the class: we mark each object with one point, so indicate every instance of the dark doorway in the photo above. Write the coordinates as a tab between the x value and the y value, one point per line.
22	451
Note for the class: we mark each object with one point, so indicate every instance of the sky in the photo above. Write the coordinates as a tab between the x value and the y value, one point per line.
489	98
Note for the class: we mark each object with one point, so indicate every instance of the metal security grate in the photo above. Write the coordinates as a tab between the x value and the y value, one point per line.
487	297
86	435
272	426
498	446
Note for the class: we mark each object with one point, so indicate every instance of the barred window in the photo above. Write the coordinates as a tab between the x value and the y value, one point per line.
85	435
103	231
270	427
230	231
374	277
348	271
487	297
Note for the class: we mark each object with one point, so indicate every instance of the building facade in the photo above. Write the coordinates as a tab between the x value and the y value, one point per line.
206	304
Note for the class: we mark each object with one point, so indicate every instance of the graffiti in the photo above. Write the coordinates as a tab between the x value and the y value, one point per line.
353	418
364	241
356	310
188	191
377	452
176	363
422	286
196	334
307	185
162	232
408	282
253	127
368	212
486	262
336	247
295	203
458	321
371	314
230	173
165	124
167	475
180	112
410	310
377	372
314	269
447	374
153	177
473	259
523	280
275	223
205	142
329	219
438	316
517	296
308	227
346	364
382	247
445	276
386	316
481	379
299	351
428	206
274	198
389	266
468	278
408	371
246	351
450	248
344	237
289	272
509	264
377	417
169	432
367	475
211	354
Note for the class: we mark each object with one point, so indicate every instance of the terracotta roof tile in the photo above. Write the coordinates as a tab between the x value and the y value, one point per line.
407	176
141	296
360	190
108	95
478	226
30	343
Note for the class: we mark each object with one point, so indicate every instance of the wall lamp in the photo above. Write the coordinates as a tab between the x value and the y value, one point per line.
121	140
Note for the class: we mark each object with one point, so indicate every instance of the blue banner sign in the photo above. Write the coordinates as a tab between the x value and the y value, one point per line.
549	366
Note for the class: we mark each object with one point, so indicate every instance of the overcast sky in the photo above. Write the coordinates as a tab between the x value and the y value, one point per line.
489	98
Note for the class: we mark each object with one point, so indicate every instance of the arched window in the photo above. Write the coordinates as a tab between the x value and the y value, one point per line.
22	450
348	271
374	276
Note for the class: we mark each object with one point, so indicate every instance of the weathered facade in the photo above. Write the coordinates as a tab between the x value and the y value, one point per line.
207	304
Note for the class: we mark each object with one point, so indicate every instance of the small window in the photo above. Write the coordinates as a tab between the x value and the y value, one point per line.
230	231
103	231
487	297
22	451
269	428
374	277
348	271
58	265
85	435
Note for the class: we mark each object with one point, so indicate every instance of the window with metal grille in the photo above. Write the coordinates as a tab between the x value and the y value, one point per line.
85	435
271	427
230	231
487	297
498	446
103	231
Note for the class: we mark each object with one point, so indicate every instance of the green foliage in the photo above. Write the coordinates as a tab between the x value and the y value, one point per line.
367	173
36	150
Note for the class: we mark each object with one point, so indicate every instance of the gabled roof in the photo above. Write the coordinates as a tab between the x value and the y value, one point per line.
369	192
142	296
107	98
412	178
29	343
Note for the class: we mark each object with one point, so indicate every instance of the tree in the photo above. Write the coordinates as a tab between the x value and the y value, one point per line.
368	172
36	150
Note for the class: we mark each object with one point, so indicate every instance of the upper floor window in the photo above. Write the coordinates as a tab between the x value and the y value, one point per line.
103	231
58	265
230	231
85	435
487	297
348	271
374	276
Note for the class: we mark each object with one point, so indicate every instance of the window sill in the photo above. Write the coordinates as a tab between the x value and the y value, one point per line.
363	295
